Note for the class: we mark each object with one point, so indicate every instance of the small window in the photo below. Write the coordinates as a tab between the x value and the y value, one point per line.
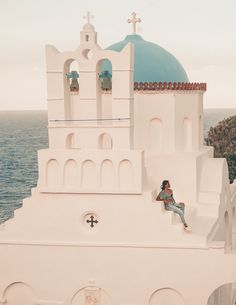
86	37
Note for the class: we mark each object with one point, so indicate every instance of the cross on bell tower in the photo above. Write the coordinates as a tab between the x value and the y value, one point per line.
134	20
88	17
88	34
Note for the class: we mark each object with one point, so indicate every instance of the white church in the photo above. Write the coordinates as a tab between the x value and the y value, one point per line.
92	232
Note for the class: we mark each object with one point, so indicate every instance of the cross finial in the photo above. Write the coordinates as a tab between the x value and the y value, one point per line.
134	20
88	17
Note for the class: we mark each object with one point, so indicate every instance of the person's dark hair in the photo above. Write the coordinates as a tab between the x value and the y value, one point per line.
164	183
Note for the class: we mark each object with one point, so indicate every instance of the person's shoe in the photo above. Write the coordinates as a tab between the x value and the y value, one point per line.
187	228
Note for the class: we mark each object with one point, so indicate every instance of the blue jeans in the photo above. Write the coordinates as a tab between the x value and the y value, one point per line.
176	208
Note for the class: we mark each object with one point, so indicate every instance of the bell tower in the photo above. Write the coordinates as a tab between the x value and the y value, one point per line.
90	153
88	34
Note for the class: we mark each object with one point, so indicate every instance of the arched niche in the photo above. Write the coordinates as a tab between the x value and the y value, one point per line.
89	175
53	173
155	135
71	85
70	141
126	175
107	174
227	232
104	89
187	134
166	296
71	174
19	293
91	295
223	295
105	141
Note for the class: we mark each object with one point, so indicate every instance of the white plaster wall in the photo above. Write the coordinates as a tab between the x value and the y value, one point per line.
87	135
77	105
189	107
137	253
128	219
180	170
170	108
51	177
151	106
57	273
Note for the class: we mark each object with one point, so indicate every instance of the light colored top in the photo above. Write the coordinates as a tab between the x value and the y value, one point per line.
164	196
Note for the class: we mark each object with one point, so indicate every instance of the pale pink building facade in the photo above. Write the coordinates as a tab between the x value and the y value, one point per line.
92	233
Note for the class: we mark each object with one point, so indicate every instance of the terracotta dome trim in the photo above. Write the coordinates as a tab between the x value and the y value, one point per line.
160	86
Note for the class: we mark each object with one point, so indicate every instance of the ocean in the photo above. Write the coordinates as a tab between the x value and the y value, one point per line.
22	133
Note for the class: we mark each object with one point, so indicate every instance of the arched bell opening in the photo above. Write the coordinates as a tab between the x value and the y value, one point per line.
71	86
104	89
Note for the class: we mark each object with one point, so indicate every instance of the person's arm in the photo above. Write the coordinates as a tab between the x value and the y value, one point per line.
160	198
172	195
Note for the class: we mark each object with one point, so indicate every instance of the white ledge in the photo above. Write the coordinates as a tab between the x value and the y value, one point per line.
203	246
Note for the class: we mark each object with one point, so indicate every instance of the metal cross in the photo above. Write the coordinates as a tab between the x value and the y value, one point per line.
92	221
88	17
134	20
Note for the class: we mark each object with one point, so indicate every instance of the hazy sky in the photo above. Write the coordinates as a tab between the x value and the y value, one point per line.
200	33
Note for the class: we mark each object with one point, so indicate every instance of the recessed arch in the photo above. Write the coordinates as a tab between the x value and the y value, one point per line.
89	175
70	141
71	174
107	174
166	296
155	134
53	175
126	175
91	296
105	141
19	293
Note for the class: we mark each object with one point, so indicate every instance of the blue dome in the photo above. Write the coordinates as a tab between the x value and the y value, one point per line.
152	63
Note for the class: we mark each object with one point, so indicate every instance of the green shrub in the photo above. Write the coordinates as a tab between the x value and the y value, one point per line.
223	138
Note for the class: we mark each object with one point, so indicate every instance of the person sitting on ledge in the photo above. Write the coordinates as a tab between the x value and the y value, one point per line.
166	195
